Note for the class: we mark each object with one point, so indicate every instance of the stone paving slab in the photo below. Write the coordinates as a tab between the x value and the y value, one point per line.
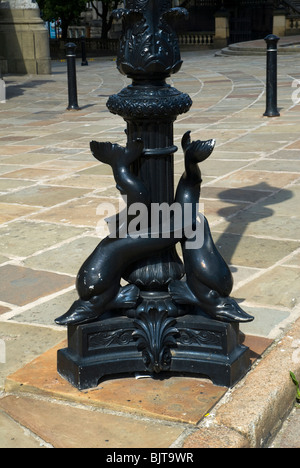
285	279
24	343
178	399
288	437
24	285
43	236
44	313
162	411
64	426
65	259
12	435
175	398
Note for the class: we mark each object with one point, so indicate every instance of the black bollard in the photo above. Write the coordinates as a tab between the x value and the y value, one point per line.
271	109
84	62
72	82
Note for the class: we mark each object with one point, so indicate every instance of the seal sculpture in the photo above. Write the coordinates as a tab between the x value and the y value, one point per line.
209	280
98	280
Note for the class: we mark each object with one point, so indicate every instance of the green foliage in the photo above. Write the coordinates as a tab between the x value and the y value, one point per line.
66	11
61	9
69	11
104	14
295	381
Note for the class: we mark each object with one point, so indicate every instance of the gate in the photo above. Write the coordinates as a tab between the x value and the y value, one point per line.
240	30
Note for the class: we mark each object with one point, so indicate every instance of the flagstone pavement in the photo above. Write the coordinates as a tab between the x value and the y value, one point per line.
51	188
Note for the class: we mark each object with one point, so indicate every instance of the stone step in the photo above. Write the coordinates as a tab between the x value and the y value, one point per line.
242	51
238	49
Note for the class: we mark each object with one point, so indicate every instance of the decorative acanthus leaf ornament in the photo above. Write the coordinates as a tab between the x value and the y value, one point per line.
155	335
175	13
149	46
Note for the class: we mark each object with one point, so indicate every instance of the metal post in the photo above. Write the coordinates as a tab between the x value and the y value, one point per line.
271	109
84	62
2	89
72	82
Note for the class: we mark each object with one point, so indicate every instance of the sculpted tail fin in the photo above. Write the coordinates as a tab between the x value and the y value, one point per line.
186	140
196	151
116	155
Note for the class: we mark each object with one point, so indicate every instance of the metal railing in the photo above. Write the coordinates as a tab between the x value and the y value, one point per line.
196	39
97	47
94	47
292	7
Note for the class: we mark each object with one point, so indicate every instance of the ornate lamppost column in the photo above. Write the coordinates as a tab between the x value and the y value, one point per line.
149	53
172	315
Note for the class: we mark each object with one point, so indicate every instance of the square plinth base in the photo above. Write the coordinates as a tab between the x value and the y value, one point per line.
203	346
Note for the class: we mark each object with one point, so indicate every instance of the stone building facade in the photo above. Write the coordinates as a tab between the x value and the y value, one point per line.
245	19
24	40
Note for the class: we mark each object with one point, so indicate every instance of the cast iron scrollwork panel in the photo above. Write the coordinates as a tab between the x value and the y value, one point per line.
107	339
202	338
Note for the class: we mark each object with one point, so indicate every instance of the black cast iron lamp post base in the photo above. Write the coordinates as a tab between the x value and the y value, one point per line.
172	316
